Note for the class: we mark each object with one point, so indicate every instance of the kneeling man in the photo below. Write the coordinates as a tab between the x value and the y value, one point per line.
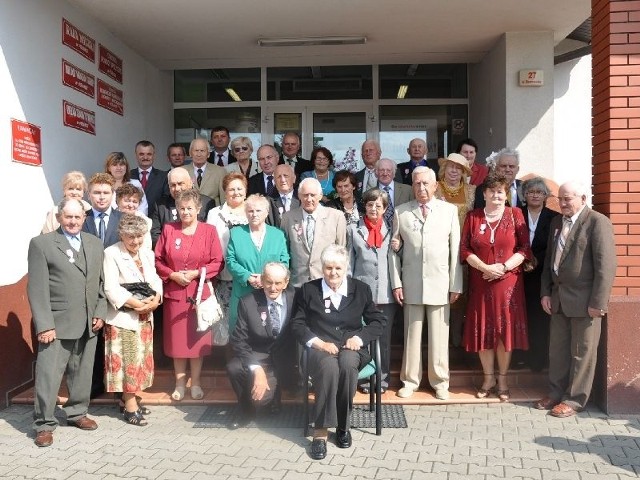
264	350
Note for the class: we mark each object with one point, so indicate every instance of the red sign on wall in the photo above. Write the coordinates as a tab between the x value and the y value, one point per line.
110	97
25	142
109	63
79	118
78	79
79	41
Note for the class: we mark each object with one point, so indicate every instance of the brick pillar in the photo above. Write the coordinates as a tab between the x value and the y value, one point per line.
616	179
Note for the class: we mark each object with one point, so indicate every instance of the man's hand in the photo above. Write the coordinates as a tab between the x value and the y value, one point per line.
546	304
353	343
260	384
97	323
398	295
328	347
595	312
47	336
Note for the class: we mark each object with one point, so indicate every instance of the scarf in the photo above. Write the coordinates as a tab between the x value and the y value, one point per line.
375	232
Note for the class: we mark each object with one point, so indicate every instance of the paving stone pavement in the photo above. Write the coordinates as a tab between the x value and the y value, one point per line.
449	442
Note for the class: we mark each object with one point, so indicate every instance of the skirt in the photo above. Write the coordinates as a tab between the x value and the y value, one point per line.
128	364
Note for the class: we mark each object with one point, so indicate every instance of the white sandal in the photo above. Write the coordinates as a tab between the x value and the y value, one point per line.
178	394
197	393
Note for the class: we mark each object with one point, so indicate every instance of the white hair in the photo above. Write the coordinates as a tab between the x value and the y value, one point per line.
422	169
335	254
311	182
494	158
576	187
393	164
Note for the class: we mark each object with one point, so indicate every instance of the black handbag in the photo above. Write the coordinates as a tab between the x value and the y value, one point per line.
140	290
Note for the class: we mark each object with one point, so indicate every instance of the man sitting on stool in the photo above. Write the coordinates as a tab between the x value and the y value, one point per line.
264	351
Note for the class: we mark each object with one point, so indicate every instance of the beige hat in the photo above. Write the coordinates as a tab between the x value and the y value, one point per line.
458	160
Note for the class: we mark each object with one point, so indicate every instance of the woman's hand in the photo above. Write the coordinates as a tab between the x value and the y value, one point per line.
328	347
255	280
493	272
184	277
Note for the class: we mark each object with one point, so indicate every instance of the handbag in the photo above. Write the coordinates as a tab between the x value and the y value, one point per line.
208	312
140	290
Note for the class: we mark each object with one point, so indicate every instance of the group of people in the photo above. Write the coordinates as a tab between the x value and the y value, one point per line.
295	264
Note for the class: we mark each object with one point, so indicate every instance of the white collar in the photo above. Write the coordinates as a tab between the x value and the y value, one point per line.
327	291
203	168
574	218
96	213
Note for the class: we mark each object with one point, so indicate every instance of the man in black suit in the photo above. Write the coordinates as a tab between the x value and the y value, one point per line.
287	198
367	177
263	346
264	182
221	154
506	163
290	151
153	180
417	158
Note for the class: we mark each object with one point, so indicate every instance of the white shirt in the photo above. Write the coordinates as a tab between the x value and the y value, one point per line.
225	157
288	197
334	295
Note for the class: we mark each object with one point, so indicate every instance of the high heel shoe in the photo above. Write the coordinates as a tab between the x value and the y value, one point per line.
503	395
485	392
178	394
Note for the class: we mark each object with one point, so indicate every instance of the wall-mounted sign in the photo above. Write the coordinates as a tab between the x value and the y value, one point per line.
79	118
79	41
78	79
26	146
109	63
110	97
531	78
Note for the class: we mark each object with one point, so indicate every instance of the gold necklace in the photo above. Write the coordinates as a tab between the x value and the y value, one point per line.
451	191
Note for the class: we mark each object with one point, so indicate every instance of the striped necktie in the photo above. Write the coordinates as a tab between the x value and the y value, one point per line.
562	240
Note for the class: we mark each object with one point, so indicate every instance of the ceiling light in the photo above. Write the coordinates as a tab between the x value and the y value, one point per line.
307	41
232	93
402	91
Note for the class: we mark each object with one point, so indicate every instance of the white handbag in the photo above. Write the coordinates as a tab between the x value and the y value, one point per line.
209	311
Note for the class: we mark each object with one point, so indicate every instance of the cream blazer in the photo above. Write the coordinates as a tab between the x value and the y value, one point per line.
119	268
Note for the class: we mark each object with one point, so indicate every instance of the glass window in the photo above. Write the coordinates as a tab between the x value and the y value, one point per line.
217	85
319	83
423	81
342	134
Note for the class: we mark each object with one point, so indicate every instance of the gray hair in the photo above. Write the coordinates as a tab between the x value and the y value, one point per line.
535	183
66	201
579	188
241	142
311	182
394	165
279	265
198	139
132	225
493	161
335	254
422	169
255	199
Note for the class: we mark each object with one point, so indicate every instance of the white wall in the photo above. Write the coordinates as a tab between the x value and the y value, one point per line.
30	81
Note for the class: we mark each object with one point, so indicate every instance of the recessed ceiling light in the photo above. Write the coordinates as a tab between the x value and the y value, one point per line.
308	41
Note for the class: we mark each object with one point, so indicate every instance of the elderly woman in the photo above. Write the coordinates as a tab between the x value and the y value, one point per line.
224	218
242	148
328	318
183	249
368	242
322	160
128	329
128	198
250	248
494	243
117	165
468	148
538	218
345	184
74	185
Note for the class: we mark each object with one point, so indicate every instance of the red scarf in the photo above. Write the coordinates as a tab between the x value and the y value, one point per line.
375	232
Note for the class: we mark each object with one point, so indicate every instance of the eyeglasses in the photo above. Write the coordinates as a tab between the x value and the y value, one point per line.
244	148
535	193
373	206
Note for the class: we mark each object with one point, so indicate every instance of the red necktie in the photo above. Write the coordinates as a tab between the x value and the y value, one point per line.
143	180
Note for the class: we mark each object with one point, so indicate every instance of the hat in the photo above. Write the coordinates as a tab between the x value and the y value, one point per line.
458	160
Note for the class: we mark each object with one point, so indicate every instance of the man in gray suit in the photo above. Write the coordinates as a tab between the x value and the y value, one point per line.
399	193
67	301
579	270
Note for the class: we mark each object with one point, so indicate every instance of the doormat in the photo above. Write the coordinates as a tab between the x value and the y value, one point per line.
292	416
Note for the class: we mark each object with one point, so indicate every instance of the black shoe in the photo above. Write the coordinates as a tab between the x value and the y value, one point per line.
343	438
242	419
318	449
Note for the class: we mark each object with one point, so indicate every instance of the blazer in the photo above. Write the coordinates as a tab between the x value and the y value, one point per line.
401	193
65	295
405	170
276	209
311	319
166	212
360	179
256	185
302	165
111	236
157	186
587	267
427	267
252	340
213	158
479	198
211	185
541	237
254	168
370	264
331	227
120	268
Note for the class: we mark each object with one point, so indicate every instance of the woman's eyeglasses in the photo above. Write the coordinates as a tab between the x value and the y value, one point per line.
241	149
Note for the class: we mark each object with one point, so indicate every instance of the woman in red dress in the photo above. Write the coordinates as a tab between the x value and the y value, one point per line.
495	242
182	250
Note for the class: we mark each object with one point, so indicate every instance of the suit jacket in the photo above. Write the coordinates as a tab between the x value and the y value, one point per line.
480	203
157	186
253	169
541	237
427	266
166	212
65	295
401	193
257	185
213	158
111	236
276	209
301	165
119	268
587	267
211	184
331	227
252	340
360	179
405	170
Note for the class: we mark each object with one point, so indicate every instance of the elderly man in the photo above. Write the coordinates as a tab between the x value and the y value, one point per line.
152	179
66	297
207	178
579	270
366	177
507	164
263	182
426	277
399	193
220	139
309	229
290	154
285	180
417	158
176	155
262	344
166	210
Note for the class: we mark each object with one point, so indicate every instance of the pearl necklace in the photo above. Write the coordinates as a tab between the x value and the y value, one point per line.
495	216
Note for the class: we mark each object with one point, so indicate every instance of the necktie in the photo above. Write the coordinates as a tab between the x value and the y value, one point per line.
510	198
274	316
143	179
562	240
291	161
388	215
425	210
283	199
199	178
75	243
102	226
269	185
372	180
220	162
311	228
